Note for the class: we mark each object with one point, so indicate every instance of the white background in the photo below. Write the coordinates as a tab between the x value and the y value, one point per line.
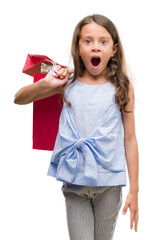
31	204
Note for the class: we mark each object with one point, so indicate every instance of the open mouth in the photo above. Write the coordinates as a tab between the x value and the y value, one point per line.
95	61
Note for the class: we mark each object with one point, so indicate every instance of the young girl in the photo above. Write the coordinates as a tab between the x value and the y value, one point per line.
96	136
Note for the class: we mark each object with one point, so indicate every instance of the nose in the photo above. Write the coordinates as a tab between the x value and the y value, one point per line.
96	46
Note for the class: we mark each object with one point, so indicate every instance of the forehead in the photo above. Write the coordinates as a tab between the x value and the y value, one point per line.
95	30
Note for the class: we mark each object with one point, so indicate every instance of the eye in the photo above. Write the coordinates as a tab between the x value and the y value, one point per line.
88	41
103	41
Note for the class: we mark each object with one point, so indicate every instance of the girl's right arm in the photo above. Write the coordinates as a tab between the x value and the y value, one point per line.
45	87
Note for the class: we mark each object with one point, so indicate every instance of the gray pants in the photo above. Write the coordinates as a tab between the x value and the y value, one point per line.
92	211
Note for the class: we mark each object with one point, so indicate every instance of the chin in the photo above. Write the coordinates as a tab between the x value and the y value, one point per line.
96	73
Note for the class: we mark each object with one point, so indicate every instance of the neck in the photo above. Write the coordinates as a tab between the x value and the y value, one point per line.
92	79
100	77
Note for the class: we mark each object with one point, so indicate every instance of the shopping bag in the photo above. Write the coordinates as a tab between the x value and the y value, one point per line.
46	112
34	61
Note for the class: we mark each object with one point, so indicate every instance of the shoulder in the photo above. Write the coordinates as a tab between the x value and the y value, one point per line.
130	105
131	90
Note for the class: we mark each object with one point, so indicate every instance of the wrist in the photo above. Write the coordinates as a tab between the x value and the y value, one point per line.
42	83
134	190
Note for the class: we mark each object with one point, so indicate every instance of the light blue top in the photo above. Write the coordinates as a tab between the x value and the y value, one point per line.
89	148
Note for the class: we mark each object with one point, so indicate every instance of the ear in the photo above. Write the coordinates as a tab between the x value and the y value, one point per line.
115	48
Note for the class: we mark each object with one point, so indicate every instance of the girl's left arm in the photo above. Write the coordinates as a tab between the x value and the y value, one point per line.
132	158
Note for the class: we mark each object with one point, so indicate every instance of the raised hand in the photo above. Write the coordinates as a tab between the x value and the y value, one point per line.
59	80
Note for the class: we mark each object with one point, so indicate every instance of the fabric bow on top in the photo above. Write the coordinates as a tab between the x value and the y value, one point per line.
69	162
103	147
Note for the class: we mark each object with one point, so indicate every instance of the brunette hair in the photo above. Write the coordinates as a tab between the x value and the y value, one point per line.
116	70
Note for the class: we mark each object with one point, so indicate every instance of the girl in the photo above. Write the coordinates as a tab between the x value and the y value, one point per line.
96	136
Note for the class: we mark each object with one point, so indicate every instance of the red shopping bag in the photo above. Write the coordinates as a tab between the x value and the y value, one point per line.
33	63
46	112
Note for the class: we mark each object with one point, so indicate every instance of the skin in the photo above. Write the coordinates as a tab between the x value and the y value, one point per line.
95	41
131	152
46	87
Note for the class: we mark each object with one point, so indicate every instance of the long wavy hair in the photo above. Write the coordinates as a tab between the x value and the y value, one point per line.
116	70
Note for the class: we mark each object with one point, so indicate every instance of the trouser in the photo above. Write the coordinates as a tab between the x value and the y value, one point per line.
92	211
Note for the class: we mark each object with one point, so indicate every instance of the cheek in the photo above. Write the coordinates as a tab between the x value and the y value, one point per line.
81	52
107	55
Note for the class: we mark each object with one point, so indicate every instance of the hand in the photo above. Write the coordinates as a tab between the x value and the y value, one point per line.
59	80
132	203
62	72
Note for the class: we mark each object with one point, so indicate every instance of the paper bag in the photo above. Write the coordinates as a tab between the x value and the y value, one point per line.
46	112
33	63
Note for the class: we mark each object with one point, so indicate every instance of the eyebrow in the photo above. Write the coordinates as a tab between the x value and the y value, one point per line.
99	37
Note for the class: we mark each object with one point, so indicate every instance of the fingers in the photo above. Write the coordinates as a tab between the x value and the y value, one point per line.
133	215
63	72
136	221
125	208
63	80
131	219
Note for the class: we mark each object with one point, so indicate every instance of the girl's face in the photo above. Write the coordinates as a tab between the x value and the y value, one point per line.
95	49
